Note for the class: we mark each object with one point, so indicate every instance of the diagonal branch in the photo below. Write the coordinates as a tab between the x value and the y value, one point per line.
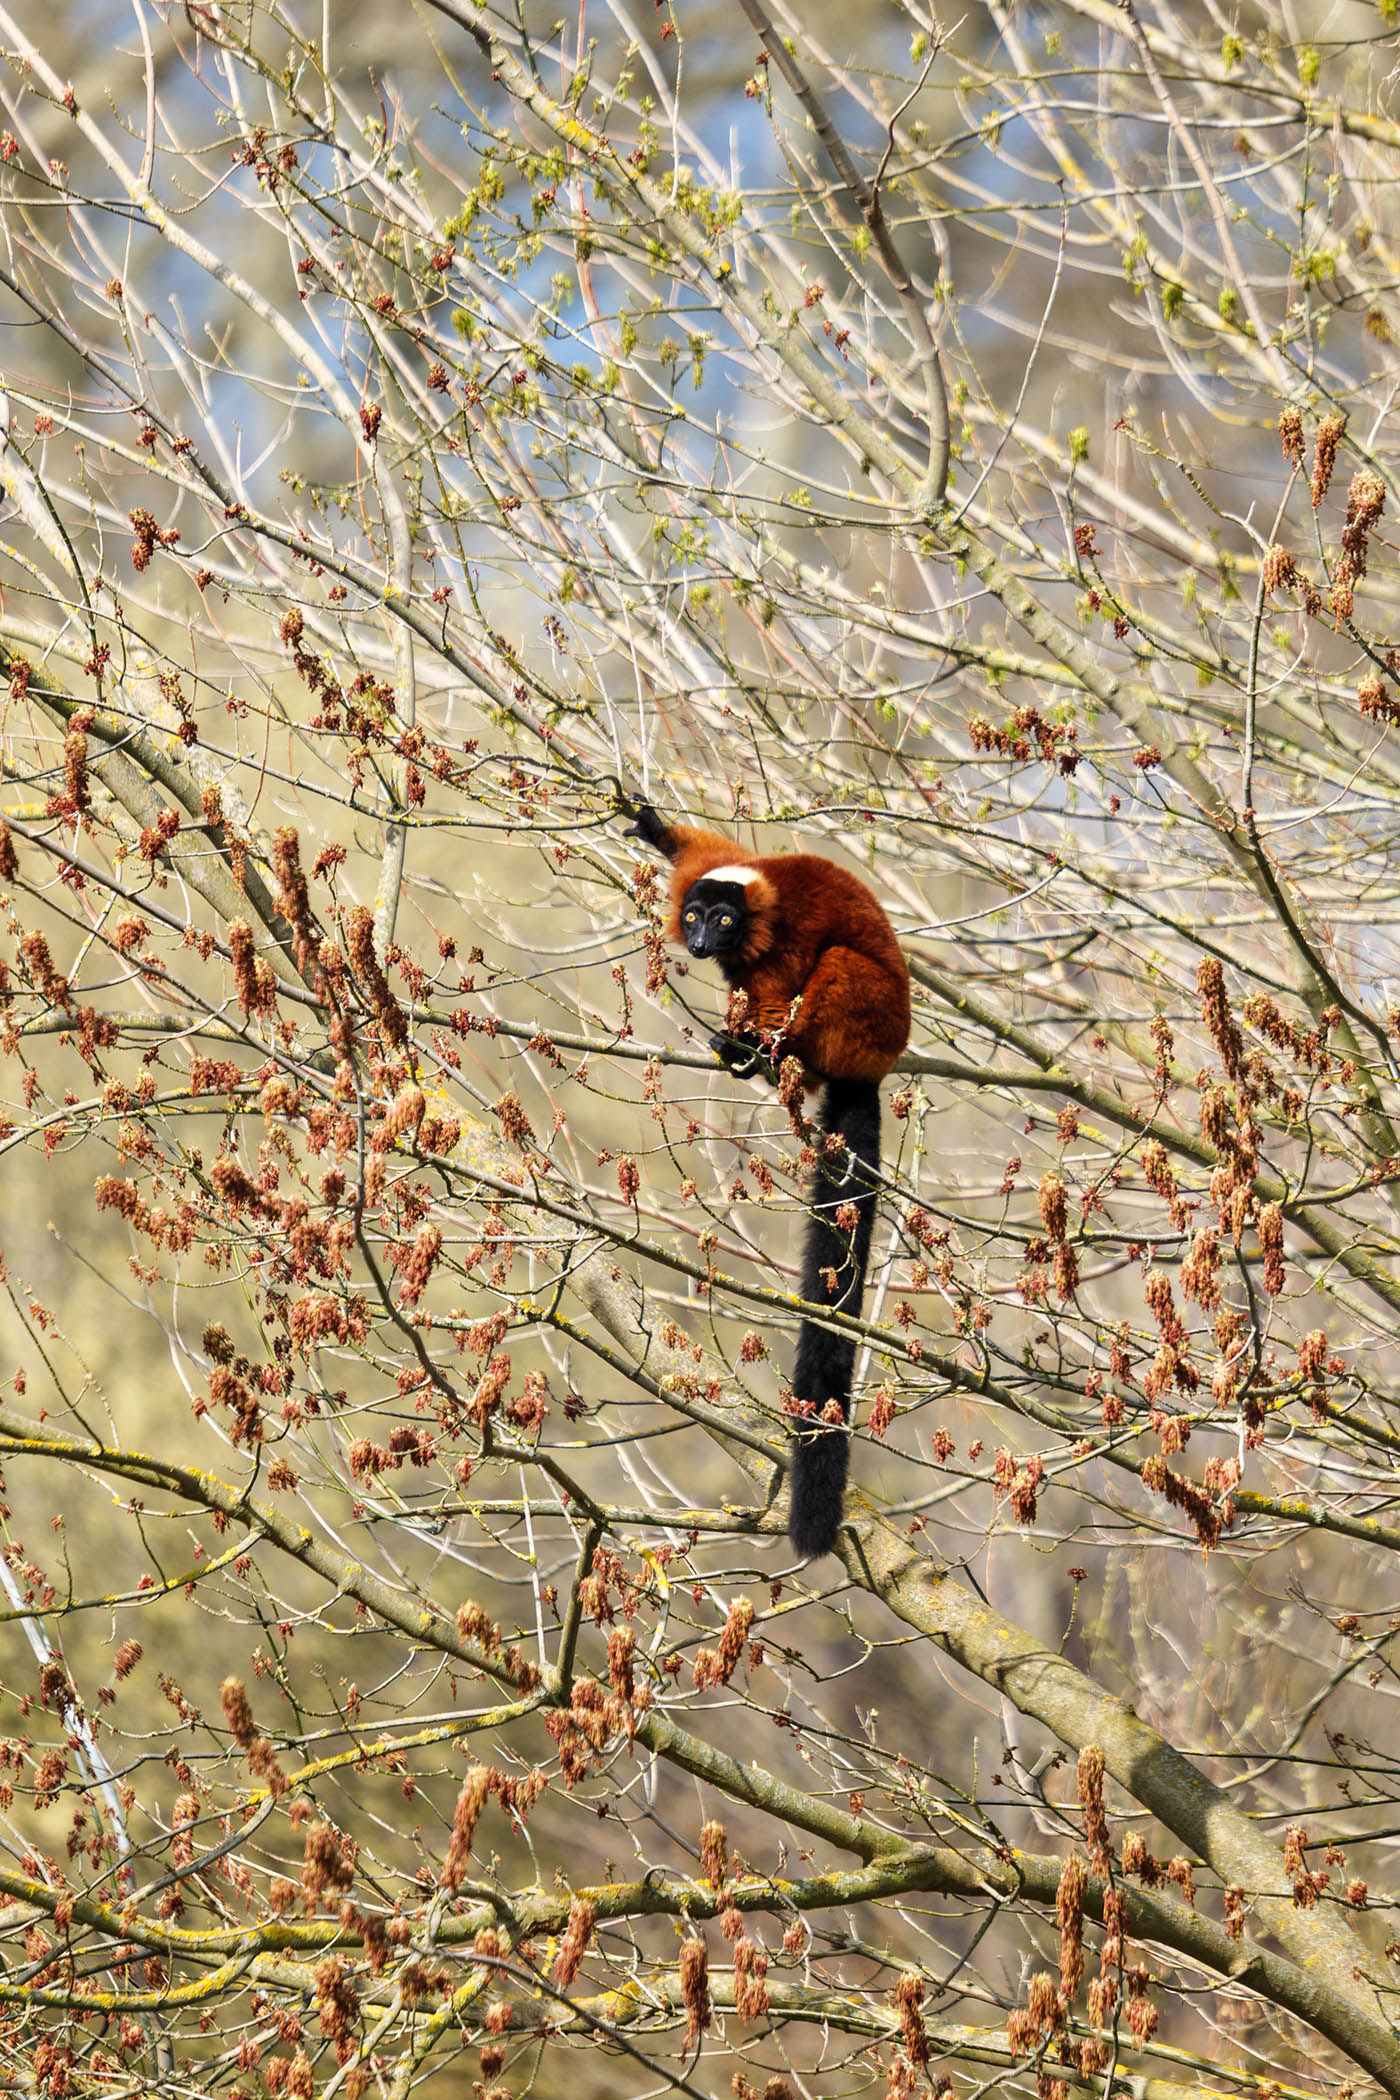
867	200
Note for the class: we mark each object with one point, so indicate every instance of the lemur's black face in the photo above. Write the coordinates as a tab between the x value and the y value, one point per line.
714	917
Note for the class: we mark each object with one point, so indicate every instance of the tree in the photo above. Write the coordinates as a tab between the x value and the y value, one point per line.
970	460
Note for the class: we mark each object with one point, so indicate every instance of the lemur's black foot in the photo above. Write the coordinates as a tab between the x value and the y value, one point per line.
745	1056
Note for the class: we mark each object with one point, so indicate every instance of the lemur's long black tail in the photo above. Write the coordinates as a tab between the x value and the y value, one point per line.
834	1262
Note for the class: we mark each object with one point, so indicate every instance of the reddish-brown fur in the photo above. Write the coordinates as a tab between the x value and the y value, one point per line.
819	938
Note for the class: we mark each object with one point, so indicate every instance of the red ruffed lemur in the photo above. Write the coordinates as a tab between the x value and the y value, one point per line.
826	982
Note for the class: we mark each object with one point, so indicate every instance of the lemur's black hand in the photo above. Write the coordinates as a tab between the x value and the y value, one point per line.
745	1056
643	821
648	826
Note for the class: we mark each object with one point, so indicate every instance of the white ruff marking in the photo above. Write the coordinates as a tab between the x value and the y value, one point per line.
741	875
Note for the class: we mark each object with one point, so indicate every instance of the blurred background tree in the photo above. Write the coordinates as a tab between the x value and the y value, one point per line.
959	448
